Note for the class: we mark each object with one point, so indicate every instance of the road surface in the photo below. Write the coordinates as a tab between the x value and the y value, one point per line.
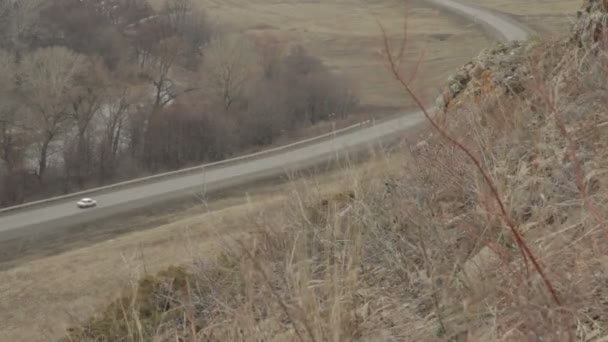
56	214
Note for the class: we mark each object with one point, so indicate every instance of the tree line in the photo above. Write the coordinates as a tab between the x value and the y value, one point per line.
93	92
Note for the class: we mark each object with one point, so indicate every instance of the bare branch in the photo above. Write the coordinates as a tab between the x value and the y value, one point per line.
525	250
229	63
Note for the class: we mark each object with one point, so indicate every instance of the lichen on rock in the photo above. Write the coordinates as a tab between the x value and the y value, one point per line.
501	66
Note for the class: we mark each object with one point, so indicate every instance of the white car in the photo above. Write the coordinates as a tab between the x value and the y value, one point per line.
86	203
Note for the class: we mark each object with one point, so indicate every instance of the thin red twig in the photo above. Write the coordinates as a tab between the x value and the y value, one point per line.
510	222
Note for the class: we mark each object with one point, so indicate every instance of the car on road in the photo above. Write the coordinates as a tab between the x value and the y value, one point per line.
86	203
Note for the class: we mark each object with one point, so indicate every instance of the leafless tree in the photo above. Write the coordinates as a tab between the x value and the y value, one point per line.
125	12
114	116
145	37
326	95
315	93
188	21
10	126
46	79
158	72
90	87
229	62
178	12
5	12
84	27
270	50
267	114
19	22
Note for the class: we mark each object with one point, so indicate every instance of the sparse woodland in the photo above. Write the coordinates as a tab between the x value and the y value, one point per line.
94	92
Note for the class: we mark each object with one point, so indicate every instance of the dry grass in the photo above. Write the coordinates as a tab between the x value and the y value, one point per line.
411	247
54	290
42	296
344	33
421	248
548	17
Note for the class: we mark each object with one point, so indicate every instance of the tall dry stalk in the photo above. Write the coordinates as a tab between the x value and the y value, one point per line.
522	245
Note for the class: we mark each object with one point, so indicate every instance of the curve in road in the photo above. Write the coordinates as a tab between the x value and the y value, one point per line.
61	213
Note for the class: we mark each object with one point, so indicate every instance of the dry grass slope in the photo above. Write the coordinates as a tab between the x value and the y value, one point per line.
418	249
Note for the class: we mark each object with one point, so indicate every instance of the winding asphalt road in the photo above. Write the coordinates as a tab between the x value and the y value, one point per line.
63	212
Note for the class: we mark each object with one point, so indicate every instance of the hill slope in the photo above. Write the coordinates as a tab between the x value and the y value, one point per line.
500	236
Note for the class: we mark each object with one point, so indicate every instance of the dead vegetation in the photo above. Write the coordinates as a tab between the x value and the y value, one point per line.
492	230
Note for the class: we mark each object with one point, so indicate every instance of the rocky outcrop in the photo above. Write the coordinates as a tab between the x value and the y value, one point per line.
591	26
503	68
500	67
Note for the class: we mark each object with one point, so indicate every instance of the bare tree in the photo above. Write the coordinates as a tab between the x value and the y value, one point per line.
10	127
266	116
5	12
84	27
124	12
271	50
346	96
114	115
46	80
315	93
188	21
90	86
146	37
165	89
229	62
158	72
18	22
326	95
178	11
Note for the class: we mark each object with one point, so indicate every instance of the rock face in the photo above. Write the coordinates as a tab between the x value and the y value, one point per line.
499	67
503	67
591	25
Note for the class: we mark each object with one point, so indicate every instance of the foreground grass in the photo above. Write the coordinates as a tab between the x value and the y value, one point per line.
421	247
43	295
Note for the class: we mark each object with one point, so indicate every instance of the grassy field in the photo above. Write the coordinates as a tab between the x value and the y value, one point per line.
547	17
345	34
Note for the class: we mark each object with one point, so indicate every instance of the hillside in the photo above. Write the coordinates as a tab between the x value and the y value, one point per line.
490	225
498	237
59	277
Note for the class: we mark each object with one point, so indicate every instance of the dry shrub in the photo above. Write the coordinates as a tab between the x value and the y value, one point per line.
545	152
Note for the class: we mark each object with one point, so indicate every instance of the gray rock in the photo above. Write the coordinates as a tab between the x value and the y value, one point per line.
455	89
441	102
